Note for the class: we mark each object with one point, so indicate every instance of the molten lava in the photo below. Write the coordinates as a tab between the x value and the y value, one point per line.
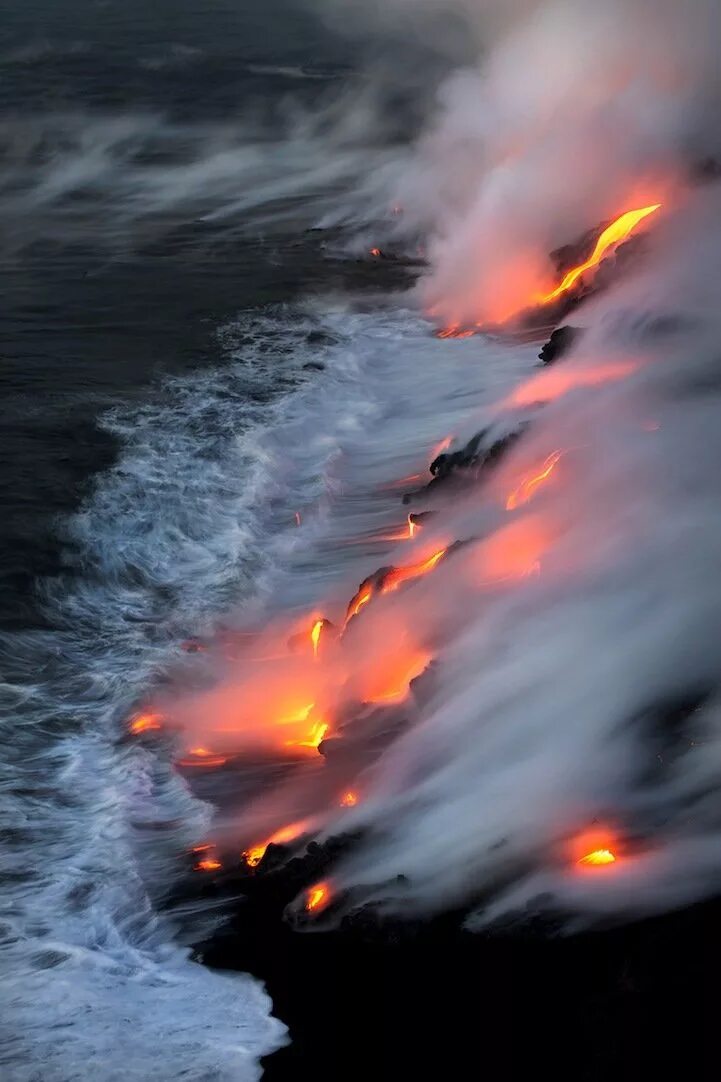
595	848
349	799
207	864
598	857
376	253
455	330
146	722
255	853
363	596
315	635
398	575
609	240
317	897
526	489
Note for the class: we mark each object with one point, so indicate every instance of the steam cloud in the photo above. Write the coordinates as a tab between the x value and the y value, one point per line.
576	637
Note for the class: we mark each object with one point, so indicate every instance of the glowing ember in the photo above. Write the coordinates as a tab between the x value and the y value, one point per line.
203	848
398	575
376	252
255	854
145	722
412	527
349	799
315	635
598	857
524	492
609	240
317	897
208	864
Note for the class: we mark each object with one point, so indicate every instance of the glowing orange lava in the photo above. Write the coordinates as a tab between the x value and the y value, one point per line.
412	527
595	848
455	330
208	864
609	240
315	635
146	722
349	799
598	857
524	492
361	598
255	853
376	252
317	897
398	575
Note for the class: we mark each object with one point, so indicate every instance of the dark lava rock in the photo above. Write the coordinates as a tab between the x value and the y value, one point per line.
472	459
314	366
558	344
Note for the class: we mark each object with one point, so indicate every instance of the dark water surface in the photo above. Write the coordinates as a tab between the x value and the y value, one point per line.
95	306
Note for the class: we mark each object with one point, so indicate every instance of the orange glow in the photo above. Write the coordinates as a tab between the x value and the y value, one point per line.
525	491
349	799
553	383
441	447
365	593
145	722
255	853
316	736
406	534
203	848
598	857
317	897
376	252
609	240
595	848
203	757
390	677
514	551
208	864
398	575
315	635
455	330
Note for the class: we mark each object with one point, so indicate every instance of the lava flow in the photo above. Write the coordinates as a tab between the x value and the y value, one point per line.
609	240
317	897
146	722
526	489
398	575
255	853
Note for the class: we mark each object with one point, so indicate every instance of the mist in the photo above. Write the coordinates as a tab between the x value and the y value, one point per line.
575	682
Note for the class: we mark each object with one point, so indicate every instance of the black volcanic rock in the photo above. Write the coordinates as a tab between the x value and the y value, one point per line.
482	452
558	344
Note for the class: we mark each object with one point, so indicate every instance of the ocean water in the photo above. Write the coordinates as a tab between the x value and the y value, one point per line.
186	364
